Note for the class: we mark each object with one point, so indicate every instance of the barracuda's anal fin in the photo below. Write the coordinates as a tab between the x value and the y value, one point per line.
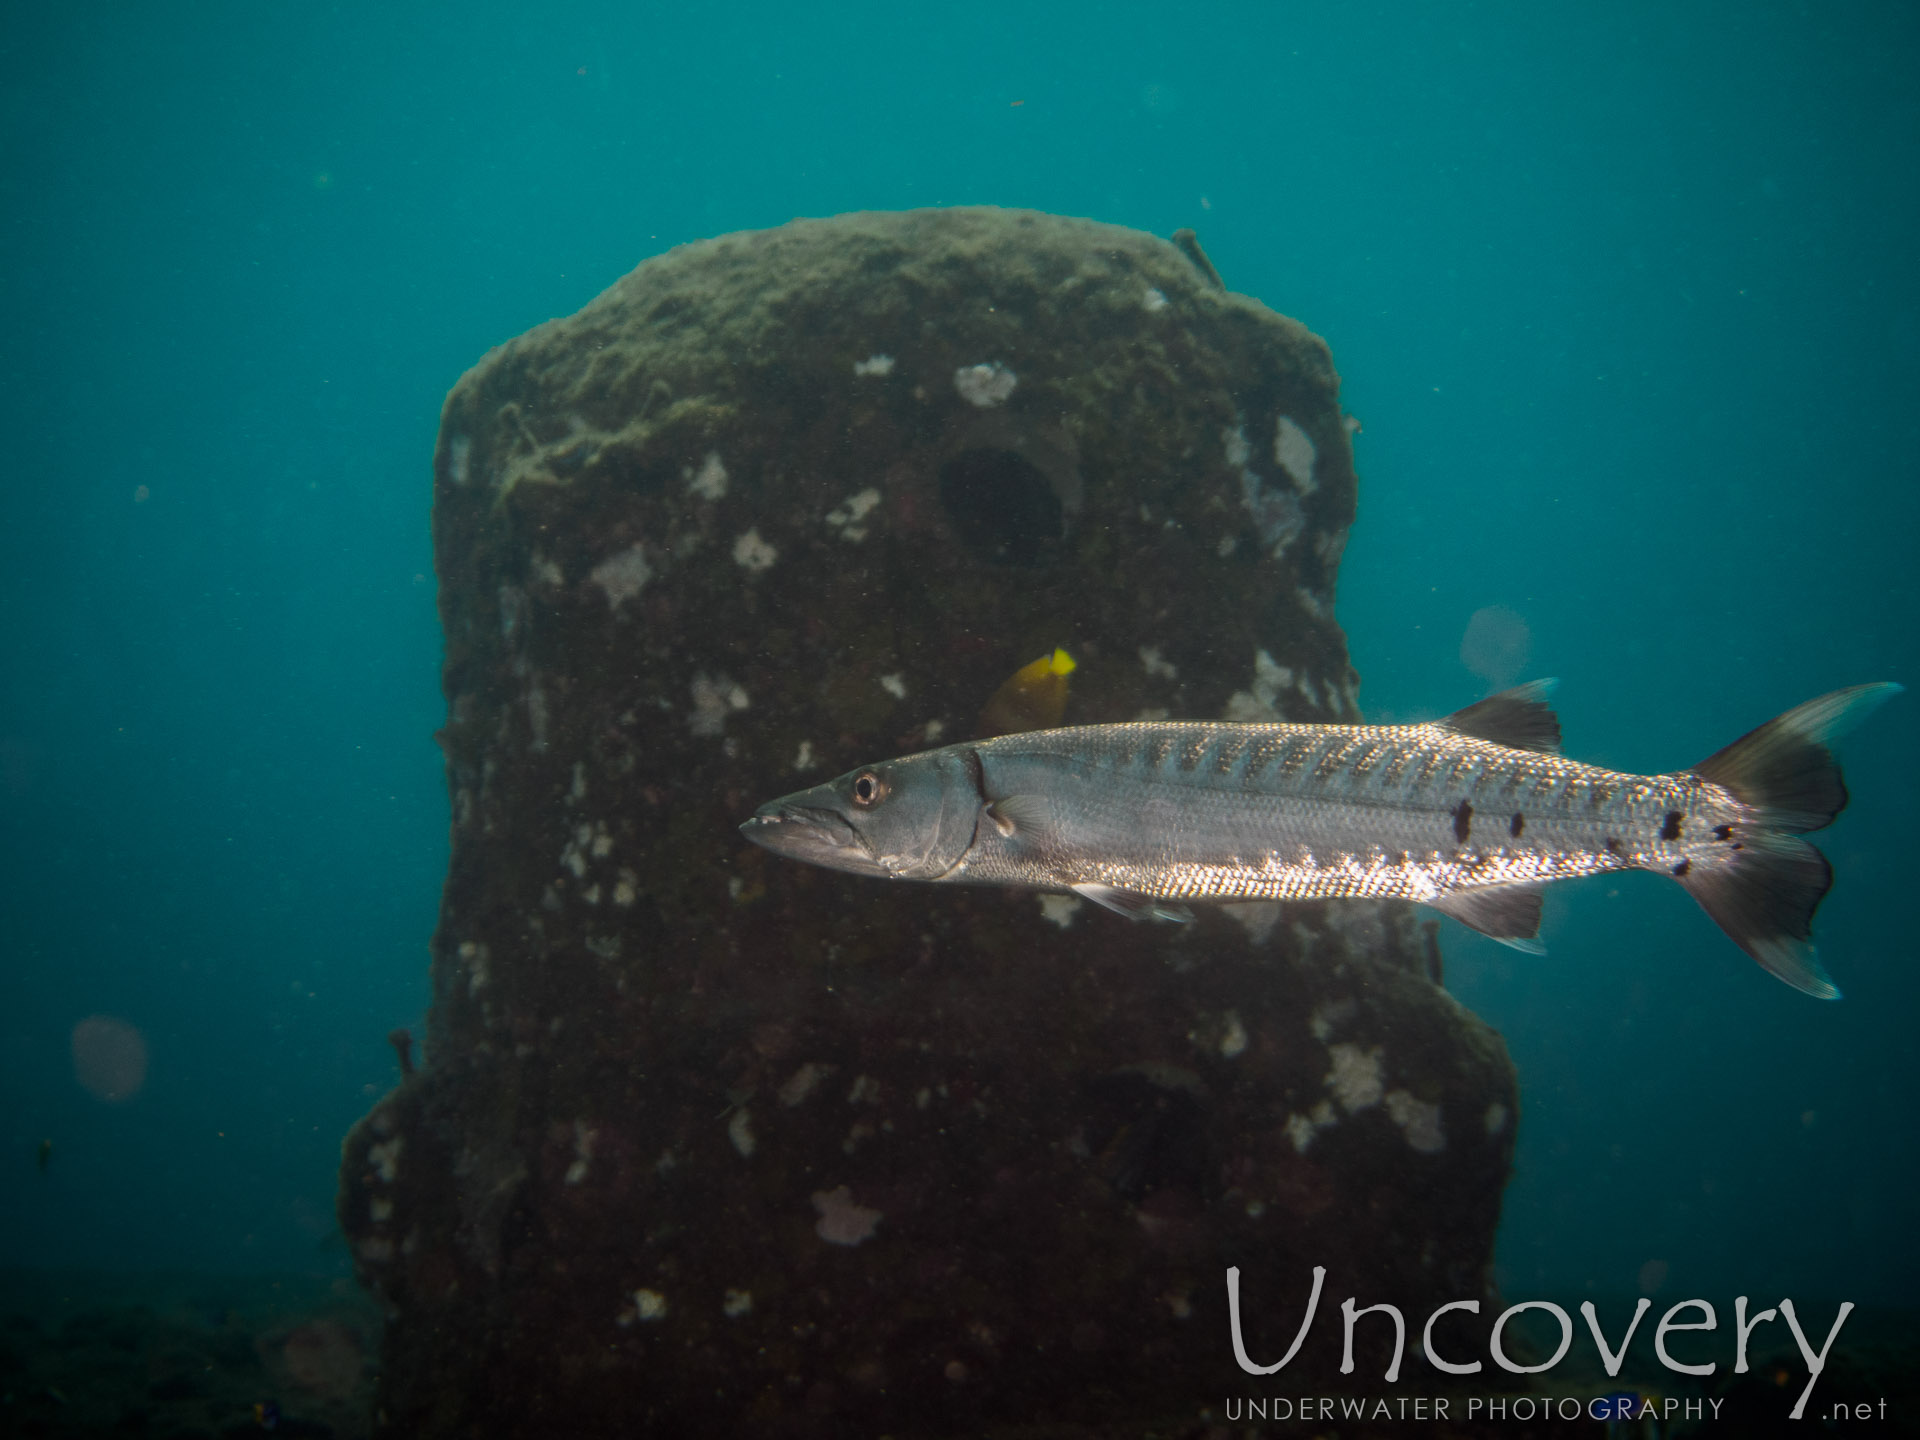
1520	717
1507	913
1132	904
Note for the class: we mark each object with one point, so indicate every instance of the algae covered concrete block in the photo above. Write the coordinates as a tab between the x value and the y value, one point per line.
710	1143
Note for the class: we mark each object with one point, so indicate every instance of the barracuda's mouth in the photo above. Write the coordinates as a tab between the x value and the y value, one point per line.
810	833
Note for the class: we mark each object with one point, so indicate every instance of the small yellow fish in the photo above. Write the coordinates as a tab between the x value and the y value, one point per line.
1033	699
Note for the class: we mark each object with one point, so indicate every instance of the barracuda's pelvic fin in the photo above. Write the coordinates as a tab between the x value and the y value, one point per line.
1520	717
1133	905
1507	913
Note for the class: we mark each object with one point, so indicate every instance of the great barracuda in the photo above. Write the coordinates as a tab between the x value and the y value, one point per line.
1472	815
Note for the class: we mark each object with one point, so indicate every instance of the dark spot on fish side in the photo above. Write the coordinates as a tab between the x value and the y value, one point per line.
1462	821
1516	825
1738	846
1723	832
1003	506
1671	830
1682	868
1613	845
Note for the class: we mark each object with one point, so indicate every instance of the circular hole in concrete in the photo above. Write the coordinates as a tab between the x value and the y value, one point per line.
1003	506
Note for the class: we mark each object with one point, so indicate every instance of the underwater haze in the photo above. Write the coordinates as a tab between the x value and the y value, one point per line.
1623	297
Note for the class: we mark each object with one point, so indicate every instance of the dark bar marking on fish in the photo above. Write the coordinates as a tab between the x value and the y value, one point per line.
1613	845
1229	754
1264	754
1723	832
1516	825
1682	868
1194	753
1462	821
1671	830
1334	759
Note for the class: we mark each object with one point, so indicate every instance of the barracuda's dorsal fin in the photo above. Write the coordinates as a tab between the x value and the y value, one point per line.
1507	913
1520	717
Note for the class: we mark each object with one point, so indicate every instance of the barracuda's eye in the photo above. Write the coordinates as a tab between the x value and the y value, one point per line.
868	789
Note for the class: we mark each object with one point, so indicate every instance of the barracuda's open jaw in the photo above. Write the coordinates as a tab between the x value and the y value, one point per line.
812	834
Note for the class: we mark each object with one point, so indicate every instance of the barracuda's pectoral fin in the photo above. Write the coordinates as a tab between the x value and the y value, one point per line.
1520	717
1132	904
1507	913
1019	814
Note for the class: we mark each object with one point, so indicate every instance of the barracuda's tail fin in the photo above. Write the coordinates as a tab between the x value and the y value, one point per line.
1764	889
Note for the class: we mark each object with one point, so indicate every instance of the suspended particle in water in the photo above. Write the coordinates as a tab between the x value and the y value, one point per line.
109	1058
1497	646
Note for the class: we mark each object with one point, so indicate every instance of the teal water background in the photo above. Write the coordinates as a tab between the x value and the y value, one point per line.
1623	296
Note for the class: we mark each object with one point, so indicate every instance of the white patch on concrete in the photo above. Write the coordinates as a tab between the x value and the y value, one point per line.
626	888
1300	1130
537	713
736	1303
1355	1078
1418	1120
1153	300
622	576
1233	1043
841	1221
935	729
1293	449
1326	1017
985	385
475	957
584	1136
546	572
752	553
1495	1119
740	1132
1276	513
1060	909
865	1091
1257	918
1238	450
649	1305
715	697
1156	666
385	1158
849	517
895	685
803	1082
874	365
804	759
379	1209
460	459
710	483
1261	701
